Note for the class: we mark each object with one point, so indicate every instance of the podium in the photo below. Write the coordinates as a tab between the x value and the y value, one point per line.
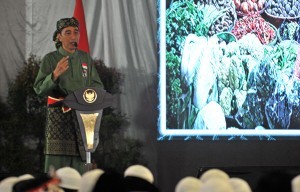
88	104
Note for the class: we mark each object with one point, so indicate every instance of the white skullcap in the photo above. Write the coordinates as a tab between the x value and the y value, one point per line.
188	184
239	185
139	171
89	180
6	185
296	184
70	178
25	177
216	185
214	173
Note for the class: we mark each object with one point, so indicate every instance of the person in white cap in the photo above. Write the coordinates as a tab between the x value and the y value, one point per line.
214	173
25	177
6	185
89	180
188	184
139	178
239	185
34	184
139	171
216	185
70	179
296	184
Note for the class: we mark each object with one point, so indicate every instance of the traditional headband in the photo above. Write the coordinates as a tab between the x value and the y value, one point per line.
61	24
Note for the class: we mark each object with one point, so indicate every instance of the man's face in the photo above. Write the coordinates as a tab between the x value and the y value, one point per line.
69	37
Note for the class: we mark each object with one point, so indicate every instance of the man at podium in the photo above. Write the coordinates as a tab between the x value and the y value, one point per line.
62	72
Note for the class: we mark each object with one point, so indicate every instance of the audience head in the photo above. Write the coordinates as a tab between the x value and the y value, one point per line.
216	185
214	173
239	185
89	180
296	184
188	184
25	177
21	180
8	183
40	183
139	178
109	181
69	178
139	171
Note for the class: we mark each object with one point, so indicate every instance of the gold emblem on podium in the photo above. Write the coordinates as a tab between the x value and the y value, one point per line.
90	96
89	122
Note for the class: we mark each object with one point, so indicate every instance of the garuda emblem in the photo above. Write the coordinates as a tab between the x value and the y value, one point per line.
89	96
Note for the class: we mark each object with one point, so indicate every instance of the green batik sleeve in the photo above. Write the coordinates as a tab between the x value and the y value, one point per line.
44	84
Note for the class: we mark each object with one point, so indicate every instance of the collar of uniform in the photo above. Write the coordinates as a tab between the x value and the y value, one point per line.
62	51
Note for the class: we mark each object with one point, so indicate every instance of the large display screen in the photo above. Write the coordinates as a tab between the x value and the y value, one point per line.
229	69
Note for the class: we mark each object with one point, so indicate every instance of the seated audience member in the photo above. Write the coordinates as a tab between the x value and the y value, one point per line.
214	173
8	183
216	185
110	181
89	180
296	184
239	185
139	178
41	183
69	179
25	177
188	184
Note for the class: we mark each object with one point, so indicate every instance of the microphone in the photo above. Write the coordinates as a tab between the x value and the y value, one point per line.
75	44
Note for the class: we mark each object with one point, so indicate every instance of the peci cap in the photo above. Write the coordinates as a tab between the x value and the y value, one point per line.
70	178
89	180
188	183
139	171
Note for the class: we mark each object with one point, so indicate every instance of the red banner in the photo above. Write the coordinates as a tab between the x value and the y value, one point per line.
83	43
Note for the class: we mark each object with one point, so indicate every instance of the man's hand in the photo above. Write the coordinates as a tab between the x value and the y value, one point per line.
61	67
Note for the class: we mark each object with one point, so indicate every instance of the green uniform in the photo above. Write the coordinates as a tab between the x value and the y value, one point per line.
63	142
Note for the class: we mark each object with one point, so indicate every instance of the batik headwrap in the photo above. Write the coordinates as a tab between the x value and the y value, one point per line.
60	25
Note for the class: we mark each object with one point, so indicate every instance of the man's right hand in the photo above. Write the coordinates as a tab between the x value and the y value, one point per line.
61	67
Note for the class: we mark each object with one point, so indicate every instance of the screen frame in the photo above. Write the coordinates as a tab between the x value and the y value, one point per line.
162	121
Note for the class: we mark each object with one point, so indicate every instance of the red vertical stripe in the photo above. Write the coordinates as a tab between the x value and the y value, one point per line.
83	43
